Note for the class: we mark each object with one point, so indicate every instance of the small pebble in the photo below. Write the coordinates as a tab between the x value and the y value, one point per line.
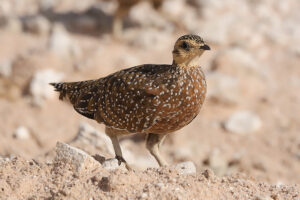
243	122
21	133
186	167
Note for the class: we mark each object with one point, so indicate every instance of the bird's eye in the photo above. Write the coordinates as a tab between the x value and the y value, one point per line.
185	45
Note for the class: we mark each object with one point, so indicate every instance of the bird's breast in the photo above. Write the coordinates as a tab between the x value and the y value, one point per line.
181	101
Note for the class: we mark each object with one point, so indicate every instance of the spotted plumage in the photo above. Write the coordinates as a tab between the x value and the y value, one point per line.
151	99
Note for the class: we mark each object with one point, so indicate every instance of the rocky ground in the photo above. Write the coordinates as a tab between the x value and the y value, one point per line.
245	143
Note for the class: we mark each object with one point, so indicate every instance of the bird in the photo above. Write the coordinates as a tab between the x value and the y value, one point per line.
124	7
154	99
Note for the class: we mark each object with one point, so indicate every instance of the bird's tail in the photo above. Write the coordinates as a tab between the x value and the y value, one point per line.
72	90
62	88
78	94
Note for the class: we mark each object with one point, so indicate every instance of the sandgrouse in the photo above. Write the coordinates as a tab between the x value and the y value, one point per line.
151	99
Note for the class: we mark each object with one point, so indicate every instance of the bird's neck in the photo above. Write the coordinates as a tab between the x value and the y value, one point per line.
188	63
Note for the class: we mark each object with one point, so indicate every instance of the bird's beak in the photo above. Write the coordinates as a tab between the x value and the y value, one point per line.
205	47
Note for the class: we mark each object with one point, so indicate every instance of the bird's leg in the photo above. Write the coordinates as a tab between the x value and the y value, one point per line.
118	151
153	143
113	134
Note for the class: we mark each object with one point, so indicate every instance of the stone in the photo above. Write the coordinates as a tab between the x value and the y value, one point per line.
174	8
86	128
90	136
297	155
5	68
183	153
208	174
37	25
187	167
144	195
160	185
237	60
217	163
111	164
78	159
61	43
136	159
144	15
21	133
259	197
127	60
189	20
223	88
45	5
39	86
226	18
107	6
219	8
216	32
181	15
243	122
12	24
5	8
150	38
9	89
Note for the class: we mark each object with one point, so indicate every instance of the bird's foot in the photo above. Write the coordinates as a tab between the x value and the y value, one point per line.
122	160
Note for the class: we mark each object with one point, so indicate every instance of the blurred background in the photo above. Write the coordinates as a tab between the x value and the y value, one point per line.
250	121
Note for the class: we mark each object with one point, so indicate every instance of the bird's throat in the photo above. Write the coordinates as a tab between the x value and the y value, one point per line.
190	62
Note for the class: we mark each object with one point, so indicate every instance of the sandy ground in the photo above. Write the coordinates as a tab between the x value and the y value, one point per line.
253	67
58	181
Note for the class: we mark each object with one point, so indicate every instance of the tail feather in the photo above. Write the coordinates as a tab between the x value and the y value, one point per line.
61	88
71	89
78	93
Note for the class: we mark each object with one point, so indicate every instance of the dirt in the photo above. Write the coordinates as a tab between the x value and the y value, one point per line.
33	180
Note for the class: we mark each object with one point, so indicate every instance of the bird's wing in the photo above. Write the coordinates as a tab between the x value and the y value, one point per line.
123	100
127	98
151	79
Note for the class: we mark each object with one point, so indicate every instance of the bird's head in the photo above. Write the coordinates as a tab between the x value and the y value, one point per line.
188	49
